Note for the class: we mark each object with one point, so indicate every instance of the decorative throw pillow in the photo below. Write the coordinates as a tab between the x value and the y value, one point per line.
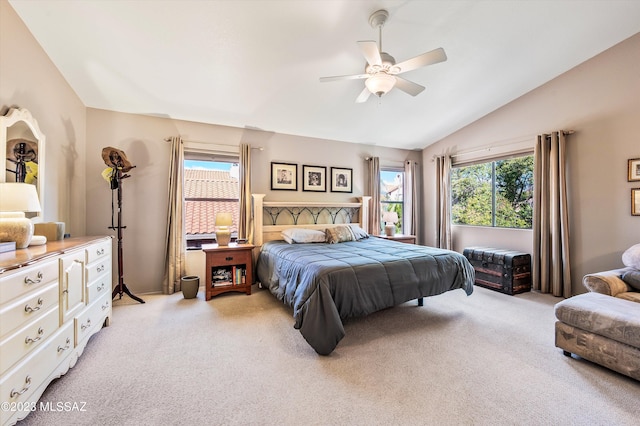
631	257
632	278
339	234
302	236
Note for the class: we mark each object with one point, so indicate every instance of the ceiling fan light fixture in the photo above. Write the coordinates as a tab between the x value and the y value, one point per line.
380	84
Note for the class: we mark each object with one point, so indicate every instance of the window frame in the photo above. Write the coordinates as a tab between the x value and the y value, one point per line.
400	224
492	160
195	241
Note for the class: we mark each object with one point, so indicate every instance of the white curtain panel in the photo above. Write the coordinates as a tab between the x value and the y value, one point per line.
175	254
443	214
551	266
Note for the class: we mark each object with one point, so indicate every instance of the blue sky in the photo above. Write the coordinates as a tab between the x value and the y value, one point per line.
208	165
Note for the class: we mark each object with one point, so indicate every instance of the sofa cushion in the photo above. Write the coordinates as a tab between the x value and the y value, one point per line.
631	257
607	316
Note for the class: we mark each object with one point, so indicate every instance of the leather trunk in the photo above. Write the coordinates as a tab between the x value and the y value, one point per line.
506	271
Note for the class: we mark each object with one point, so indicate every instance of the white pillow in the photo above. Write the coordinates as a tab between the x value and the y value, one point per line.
302	236
358	232
631	257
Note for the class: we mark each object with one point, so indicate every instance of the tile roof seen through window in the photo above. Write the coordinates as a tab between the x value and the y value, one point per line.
206	193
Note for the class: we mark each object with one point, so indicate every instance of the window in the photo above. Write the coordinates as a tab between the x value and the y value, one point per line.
210	187
391	196
497	193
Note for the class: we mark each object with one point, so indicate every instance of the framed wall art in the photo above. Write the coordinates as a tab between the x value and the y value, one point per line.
341	179
314	178
635	202
284	176
634	169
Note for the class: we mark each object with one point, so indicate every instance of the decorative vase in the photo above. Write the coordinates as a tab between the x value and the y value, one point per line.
189	286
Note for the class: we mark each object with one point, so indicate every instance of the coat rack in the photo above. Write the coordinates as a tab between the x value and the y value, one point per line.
116	159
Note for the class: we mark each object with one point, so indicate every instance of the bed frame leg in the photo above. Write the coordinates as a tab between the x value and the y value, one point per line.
566	353
421	302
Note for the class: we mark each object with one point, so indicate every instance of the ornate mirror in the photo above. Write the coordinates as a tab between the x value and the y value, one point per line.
22	151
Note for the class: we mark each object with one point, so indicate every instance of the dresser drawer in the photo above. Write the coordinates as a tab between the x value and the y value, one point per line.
92	318
98	287
19	344
18	385
16	283
101	267
99	251
15	314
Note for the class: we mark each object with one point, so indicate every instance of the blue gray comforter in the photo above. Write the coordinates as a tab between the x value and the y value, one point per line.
328	283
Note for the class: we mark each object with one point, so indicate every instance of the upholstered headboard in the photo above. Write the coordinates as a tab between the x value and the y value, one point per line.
270	218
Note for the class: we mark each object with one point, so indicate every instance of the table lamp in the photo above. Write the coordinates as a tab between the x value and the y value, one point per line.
390	219
15	199
223	232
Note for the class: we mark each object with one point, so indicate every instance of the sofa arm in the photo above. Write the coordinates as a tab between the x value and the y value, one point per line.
607	282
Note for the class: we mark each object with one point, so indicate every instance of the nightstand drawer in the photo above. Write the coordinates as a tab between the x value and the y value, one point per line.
231	258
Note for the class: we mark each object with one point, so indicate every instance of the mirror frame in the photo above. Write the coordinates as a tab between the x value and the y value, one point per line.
11	118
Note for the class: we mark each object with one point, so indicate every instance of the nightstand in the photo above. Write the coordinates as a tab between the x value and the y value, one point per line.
229	268
409	239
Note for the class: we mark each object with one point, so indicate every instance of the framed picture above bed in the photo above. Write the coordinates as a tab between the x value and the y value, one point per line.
314	178
284	176
341	179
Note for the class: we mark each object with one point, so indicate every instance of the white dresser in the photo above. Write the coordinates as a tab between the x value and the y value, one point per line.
52	299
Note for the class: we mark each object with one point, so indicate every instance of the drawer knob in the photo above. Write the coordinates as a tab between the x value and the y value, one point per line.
100	252
66	346
100	268
105	306
228	258
100	287
29	309
38	279
26	387
29	340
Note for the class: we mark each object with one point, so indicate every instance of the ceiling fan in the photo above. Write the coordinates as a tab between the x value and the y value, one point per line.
382	72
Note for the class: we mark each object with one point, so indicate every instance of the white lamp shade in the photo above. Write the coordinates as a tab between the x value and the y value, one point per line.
390	217
18	197
380	83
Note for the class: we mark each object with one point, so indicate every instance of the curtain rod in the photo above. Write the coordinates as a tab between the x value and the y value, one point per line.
222	144
500	145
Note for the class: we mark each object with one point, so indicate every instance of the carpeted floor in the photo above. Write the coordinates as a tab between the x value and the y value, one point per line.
487	359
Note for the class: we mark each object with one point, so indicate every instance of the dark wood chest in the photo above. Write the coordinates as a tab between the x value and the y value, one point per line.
506	271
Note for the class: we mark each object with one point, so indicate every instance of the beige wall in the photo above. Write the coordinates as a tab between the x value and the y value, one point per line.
600	100
29	80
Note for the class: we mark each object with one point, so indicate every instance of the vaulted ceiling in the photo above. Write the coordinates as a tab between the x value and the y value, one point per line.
257	63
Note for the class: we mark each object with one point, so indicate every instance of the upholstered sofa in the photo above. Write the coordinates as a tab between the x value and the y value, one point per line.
603	325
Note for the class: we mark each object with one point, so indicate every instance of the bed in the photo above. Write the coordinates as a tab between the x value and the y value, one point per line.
327	283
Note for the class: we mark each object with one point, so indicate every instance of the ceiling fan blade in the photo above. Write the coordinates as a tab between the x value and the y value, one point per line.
363	96
370	52
344	77
428	58
408	86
